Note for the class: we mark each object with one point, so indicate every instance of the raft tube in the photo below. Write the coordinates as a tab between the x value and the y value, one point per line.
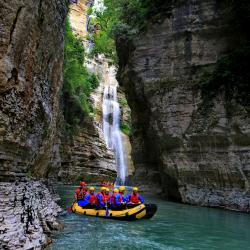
141	211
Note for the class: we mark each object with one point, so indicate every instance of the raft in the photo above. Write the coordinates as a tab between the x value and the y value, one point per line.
141	211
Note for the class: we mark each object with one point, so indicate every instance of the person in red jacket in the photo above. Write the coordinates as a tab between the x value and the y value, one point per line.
112	198
134	197
118	203
89	201
100	199
107	196
81	191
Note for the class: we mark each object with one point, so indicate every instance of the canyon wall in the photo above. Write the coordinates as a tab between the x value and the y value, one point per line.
27	215
84	155
31	62
192	142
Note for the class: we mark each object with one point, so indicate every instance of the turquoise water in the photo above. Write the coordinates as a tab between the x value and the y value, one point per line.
174	227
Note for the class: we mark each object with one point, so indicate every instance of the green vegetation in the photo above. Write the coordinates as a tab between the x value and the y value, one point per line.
30	174
123	102
125	124
78	82
133	15
102	23
231	75
120	18
125	128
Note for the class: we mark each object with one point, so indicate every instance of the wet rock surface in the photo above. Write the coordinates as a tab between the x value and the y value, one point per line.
85	156
27	215
31	60
191	143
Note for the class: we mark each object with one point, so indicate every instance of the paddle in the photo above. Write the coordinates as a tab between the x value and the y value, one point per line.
107	211
69	210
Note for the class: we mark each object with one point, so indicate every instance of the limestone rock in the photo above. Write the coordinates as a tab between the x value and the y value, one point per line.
86	157
192	144
27	215
31	59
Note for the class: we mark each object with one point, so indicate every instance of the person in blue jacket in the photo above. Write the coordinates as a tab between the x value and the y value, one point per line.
100	199
119	201
134	197
90	200
112	198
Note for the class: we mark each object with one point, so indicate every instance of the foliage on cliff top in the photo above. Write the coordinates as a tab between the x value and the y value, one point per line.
120	18
78	82
101	22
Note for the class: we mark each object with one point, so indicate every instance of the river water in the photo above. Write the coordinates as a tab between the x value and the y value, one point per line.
174	227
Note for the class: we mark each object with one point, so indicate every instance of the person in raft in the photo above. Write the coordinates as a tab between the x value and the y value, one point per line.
134	197
89	201
119	201
81	191
112	198
100	199
107	196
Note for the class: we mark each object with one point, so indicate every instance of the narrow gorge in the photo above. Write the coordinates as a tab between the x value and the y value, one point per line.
47	137
153	94
98	150
191	131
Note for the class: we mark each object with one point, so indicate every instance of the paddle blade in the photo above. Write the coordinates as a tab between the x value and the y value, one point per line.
69	210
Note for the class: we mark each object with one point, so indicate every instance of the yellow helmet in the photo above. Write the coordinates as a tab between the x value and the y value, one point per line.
122	188
102	188
135	189
91	189
107	189
116	190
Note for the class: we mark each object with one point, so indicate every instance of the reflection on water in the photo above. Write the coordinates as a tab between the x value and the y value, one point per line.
175	226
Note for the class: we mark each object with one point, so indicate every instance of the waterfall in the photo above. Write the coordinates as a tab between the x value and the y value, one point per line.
110	105
111	129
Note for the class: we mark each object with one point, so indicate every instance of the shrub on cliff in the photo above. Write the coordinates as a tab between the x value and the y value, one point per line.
231	75
101	22
120	18
78	82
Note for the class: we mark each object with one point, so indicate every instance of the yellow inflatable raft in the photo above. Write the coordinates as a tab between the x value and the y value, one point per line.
141	211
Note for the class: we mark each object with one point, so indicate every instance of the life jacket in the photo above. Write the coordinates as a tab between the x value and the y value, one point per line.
81	195
113	199
97	201
120	198
134	198
92	199
107	198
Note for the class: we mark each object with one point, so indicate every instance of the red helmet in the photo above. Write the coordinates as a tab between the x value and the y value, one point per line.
82	184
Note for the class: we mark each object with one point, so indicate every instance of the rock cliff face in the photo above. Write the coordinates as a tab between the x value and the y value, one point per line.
85	155
192	143
125	120
27	215
31	58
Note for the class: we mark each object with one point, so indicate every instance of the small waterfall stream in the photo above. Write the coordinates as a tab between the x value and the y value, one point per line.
110	106
111	128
